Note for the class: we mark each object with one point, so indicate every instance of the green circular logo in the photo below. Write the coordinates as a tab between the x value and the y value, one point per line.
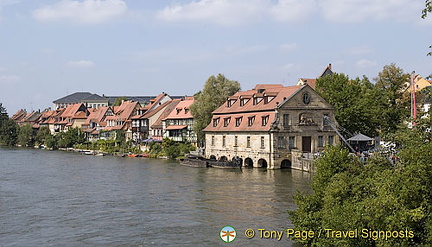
228	234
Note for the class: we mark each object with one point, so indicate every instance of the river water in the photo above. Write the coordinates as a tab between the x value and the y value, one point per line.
57	198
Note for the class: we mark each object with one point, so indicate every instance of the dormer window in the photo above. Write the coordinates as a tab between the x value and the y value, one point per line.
257	100
227	121
186	110
231	102
267	99
251	120
265	120
238	121
243	102
215	122
178	110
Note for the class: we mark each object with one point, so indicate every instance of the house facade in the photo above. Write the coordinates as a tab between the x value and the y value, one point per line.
178	125
271	126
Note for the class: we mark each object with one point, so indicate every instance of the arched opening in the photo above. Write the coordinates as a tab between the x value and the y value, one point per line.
248	162
286	164
223	158
238	159
262	163
212	157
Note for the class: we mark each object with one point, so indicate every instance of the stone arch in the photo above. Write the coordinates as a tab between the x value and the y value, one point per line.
223	158
212	157
248	162
285	164
262	163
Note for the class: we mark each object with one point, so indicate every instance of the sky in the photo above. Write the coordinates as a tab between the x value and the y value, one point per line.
52	48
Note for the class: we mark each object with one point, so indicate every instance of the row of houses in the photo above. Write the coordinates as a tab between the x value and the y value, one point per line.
160	117
271	125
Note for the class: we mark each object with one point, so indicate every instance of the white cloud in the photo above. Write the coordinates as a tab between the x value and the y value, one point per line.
362	10
359	50
289	47
293	10
366	63
84	12
224	12
81	64
6	79
241	12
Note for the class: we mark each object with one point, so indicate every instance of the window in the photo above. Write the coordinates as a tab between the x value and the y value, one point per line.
291	141
212	140
235	141
326	119
285	120
251	120
265	120
186	110
223	141
262	142
248	142
238	121
215	122
257	100
243	101
320	141
231	102
281	142
330	140
226	121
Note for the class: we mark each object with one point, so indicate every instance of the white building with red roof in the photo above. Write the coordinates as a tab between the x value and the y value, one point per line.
178	125
270	126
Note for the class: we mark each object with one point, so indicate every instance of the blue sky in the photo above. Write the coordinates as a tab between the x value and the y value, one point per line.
51	48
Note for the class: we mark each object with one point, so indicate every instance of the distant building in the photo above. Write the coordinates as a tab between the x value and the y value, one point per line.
88	99
312	82
271	126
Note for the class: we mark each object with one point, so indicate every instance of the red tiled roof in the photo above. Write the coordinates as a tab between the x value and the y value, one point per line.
182	110
252	104
254	113
310	82
170	107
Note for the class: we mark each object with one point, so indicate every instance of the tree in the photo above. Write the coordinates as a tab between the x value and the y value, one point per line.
25	135
393	104
215	92
427	9
353	100
118	101
8	132
42	134
8	128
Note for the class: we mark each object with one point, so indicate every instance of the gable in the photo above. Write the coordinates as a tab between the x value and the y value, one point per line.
305	98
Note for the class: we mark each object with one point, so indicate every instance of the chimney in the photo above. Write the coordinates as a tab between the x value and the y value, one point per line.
329	66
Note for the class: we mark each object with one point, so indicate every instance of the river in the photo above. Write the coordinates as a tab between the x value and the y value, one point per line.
58	198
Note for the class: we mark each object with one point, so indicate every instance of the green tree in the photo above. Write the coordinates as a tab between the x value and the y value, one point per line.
393	105
8	128
353	101
118	101
215	92
42	134
51	142
71	137
8	132
348	195
25	135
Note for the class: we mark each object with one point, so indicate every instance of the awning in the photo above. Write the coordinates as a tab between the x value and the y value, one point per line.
176	127
360	138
